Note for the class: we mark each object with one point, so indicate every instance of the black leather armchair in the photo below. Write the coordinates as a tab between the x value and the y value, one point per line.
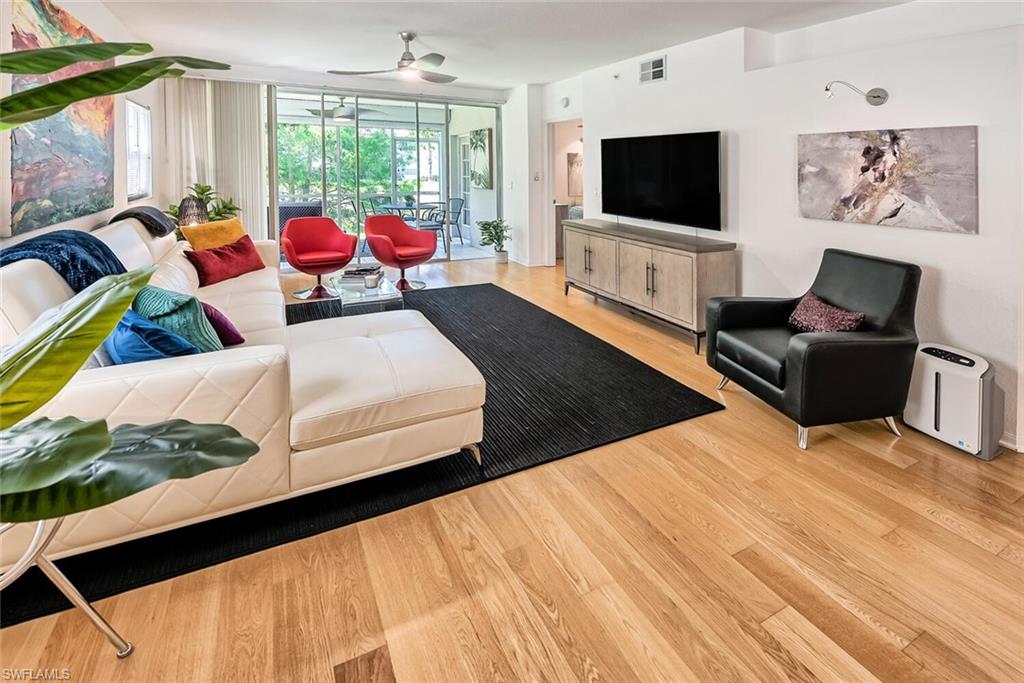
824	378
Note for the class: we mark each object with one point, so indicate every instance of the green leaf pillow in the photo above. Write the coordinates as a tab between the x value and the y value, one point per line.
178	313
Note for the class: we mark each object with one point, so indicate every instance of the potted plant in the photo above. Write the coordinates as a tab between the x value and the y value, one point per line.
218	209
495	233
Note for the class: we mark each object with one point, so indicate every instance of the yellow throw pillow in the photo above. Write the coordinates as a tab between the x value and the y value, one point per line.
213	234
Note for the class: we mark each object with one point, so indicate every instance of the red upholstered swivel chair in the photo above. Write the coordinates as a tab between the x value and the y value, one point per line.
317	246
395	244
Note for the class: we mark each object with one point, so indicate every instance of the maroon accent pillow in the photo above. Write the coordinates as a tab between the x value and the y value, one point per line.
224	263
813	314
225	329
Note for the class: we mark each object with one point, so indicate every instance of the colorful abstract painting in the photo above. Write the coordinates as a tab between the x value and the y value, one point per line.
62	167
924	178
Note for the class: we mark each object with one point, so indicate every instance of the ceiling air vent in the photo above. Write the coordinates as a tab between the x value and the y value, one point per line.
653	70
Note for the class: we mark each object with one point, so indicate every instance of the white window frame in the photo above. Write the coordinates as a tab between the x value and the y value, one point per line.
138	150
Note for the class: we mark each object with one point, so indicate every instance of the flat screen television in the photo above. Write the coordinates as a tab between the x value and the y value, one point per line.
666	178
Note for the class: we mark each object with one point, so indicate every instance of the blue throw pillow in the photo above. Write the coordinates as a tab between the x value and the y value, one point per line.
136	339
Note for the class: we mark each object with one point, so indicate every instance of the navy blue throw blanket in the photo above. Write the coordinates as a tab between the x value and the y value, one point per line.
80	258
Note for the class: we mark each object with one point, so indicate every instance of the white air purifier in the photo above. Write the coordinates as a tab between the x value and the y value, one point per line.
954	398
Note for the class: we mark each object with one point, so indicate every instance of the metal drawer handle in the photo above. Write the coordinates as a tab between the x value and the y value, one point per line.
647	279
654	275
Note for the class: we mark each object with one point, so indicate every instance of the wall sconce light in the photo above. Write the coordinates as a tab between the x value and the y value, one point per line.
876	97
192	211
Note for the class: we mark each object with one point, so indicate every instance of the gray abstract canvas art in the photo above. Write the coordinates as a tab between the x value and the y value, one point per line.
925	178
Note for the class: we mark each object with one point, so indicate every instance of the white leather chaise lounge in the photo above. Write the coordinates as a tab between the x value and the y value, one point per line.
328	401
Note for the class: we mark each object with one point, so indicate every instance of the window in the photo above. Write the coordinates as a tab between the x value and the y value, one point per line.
139	135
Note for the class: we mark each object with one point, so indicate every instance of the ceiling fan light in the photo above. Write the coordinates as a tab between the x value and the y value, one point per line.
408	74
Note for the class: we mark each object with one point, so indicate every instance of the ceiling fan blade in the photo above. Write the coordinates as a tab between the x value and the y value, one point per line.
359	73
434	77
430	61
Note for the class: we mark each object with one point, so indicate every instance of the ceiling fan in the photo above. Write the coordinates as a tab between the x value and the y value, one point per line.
343	112
409	65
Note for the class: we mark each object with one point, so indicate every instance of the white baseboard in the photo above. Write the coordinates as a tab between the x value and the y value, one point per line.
1009	440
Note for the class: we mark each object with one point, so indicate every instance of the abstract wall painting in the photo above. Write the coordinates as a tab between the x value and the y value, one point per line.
924	178
62	167
575	173
481	158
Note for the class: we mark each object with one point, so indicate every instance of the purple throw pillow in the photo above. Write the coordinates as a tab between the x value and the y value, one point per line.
225	329
812	314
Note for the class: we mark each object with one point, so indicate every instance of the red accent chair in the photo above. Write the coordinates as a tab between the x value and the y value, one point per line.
395	244
317	246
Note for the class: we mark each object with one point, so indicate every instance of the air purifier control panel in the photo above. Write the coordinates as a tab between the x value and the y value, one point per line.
947	355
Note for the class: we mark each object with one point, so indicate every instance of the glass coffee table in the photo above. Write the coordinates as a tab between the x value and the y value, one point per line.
356	297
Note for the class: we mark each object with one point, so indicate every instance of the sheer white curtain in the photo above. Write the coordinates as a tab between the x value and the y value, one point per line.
238	138
188	121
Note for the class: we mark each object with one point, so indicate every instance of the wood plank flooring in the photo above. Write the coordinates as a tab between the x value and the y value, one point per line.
711	550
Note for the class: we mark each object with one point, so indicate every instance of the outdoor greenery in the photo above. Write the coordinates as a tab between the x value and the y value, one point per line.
494	232
50	98
300	169
217	208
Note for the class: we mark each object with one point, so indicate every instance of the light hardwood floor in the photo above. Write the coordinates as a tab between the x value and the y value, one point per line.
713	549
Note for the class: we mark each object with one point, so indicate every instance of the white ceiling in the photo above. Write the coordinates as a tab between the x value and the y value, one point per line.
487	44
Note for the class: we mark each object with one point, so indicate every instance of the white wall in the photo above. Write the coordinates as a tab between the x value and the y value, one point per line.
972	286
523	147
483	204
99	19
567	138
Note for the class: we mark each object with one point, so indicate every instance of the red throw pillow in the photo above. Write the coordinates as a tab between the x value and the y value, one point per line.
224	263
813	314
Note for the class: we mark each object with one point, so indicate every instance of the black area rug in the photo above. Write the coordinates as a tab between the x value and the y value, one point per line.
552	390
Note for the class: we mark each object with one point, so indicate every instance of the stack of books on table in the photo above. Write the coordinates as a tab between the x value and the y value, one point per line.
359	272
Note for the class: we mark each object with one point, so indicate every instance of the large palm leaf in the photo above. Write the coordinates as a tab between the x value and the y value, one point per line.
45	356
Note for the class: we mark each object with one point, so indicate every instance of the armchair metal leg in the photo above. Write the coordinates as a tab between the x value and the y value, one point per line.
474	448
890	422
721	385
801	436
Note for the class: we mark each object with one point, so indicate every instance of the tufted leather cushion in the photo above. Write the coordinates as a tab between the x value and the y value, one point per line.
366	374
760	350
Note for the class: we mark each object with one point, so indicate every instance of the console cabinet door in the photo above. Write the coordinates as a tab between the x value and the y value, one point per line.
604	264
634	274
673	285
575	256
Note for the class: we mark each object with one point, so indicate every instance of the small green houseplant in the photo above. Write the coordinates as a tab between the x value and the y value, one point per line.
217	208
495	232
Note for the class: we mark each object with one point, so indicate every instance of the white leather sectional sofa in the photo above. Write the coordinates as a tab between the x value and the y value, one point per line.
328	401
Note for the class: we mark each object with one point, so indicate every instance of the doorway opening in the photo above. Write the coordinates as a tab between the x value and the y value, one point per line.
566	176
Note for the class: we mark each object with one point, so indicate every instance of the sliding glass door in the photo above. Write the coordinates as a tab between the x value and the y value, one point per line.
349	157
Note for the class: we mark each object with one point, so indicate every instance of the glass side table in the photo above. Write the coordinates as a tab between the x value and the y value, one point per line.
356	297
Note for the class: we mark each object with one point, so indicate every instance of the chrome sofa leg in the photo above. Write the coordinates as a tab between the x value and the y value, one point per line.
890	422
474	448
801	436
721	385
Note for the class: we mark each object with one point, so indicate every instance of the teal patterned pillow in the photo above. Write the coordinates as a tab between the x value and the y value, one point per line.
178	313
